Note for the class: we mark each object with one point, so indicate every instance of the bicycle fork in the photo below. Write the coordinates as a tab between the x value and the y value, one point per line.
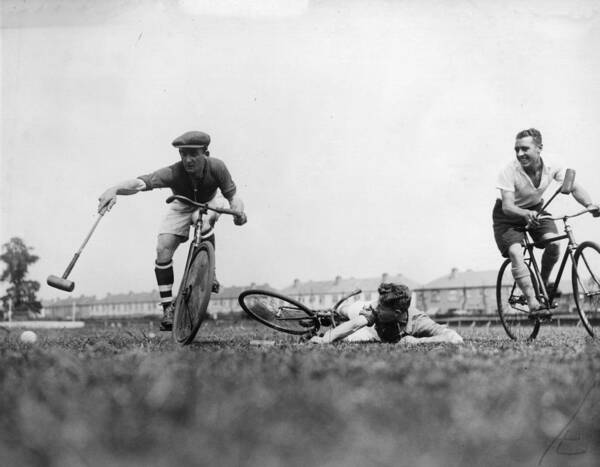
195	243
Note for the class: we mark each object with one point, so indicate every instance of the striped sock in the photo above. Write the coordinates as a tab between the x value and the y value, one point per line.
164	279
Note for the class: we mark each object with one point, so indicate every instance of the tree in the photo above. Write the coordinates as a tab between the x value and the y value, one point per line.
18	257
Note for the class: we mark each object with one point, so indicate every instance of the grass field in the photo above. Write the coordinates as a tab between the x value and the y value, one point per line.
115	396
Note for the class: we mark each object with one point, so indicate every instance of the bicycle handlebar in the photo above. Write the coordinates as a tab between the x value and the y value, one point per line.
190	202
569	216
343	299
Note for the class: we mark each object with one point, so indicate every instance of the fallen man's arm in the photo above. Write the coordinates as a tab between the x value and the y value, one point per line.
341	331
448	336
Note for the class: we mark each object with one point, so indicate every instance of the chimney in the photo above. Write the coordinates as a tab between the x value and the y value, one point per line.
296	283
384	277
337	280
453	272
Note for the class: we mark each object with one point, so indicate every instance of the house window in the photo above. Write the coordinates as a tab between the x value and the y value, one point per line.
453	295
435	296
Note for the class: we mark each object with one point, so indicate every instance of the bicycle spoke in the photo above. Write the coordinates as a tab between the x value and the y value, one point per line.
512	306
277	311
194	295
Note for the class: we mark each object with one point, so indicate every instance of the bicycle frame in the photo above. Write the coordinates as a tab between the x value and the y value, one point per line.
331	312
328	313
195	243
202	211
571	246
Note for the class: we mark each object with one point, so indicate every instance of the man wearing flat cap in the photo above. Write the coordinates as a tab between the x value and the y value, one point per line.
196	176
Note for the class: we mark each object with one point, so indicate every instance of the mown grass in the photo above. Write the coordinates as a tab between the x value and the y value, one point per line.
116	396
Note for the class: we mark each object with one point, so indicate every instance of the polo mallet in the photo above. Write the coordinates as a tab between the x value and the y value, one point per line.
566	188
61	282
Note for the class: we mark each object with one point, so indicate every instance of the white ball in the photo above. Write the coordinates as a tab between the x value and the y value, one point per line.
28	337
151	335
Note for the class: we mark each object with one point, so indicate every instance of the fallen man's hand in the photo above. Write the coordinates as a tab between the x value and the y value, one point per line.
316	340
410	340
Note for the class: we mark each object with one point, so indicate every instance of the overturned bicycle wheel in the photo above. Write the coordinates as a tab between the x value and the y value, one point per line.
278	311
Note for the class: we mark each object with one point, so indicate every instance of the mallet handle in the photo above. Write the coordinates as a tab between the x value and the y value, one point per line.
71	265
76	256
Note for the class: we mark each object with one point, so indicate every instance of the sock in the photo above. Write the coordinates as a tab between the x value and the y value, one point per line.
164	279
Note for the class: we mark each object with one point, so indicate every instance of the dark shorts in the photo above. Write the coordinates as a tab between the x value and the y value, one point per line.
509	229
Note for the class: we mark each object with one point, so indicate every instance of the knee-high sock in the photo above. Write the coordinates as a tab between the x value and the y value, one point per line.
523	279
164	279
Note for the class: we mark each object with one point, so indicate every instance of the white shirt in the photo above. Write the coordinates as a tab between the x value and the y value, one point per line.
513	178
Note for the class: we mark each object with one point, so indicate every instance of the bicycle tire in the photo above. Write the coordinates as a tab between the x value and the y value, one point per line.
278	311
194	294
585	277
512	306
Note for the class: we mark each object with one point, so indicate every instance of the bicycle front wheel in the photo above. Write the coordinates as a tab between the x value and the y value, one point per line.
586	285
512	306
194	294
278	311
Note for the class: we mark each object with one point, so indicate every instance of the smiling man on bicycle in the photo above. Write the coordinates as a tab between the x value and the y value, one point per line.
198	177
388	319
522	184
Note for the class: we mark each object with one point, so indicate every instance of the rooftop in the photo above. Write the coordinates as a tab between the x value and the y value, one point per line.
342	285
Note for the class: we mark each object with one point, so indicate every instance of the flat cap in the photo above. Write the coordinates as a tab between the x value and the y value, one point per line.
192	139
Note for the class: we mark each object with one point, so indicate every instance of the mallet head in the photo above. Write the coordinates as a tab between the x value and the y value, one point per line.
60	283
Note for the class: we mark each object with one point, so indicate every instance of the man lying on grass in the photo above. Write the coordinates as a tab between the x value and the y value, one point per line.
389	319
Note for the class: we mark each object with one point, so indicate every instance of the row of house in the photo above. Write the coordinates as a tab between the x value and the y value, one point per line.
457	293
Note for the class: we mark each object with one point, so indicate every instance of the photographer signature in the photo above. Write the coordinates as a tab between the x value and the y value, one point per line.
570	441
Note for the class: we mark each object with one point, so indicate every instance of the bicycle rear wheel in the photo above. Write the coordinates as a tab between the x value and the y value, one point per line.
278	311
585	277
512	306
194	294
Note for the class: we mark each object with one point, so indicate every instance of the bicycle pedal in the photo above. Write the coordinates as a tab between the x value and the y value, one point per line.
541	315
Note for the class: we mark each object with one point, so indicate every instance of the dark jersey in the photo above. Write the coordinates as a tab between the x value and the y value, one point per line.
201	189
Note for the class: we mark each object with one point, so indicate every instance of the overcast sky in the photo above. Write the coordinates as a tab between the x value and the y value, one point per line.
364	137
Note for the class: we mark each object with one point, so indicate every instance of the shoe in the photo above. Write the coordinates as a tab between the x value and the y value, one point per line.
541	314
166	324
216	286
